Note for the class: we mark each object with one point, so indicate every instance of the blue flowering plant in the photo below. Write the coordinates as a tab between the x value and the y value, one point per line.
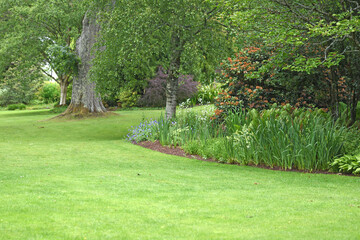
190	124
148	130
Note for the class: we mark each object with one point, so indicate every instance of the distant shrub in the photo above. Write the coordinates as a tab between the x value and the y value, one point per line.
49	92
68	94
17	93
16	106
206	93
19	84
155	93
249	82
127	98
58	109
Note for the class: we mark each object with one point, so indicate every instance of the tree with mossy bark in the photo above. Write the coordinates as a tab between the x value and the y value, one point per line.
85	99
184	37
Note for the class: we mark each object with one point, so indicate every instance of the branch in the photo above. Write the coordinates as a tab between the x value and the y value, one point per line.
284	3
208	15
47	74
353	37
356	3
67	78
316	9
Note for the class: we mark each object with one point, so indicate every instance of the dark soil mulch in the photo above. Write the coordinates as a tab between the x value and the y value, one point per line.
156	146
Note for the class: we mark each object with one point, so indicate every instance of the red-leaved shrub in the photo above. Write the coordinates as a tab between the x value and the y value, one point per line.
155	94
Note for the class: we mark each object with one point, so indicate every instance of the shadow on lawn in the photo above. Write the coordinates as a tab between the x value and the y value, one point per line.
27	113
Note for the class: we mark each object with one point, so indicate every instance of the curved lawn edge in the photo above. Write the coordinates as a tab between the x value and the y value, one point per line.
177	151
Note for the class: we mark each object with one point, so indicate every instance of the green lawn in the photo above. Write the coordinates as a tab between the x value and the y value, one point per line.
81	180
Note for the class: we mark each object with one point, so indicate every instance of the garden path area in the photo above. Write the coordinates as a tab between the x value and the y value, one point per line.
82	180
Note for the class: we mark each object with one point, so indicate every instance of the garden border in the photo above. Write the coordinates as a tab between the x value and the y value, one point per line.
177	151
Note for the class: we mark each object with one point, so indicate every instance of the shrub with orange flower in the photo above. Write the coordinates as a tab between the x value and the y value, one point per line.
248	84
242	86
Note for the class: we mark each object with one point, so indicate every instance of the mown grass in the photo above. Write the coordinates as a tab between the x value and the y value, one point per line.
81	180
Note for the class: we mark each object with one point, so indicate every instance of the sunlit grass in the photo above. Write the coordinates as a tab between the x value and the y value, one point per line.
81	180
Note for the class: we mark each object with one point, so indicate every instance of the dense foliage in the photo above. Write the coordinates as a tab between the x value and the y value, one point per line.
40	35
185	37
250	83
206	94
347	164
19	85
12	107
315	41
49	92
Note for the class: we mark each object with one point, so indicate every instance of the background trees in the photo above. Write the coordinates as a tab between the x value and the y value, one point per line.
40	35
329	31
311	49
182	36
19	83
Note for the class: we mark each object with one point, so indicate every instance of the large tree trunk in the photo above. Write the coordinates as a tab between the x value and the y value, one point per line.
172	82
84	98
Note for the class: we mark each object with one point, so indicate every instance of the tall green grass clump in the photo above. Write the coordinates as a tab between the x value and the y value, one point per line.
288	138
284	137
189	125
197	124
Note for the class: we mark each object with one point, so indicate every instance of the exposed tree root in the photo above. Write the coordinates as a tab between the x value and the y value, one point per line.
74	112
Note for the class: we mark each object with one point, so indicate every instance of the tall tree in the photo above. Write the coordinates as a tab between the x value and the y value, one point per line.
84	98
179	35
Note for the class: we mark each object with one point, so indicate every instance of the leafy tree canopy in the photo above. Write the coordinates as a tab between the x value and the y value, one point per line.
29	28
140	35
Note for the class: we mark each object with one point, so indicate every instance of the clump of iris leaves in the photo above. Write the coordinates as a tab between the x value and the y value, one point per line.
285	137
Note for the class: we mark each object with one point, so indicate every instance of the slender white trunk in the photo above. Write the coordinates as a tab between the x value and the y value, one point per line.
63	93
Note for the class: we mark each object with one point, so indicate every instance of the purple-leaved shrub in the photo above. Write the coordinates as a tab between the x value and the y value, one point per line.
155	94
